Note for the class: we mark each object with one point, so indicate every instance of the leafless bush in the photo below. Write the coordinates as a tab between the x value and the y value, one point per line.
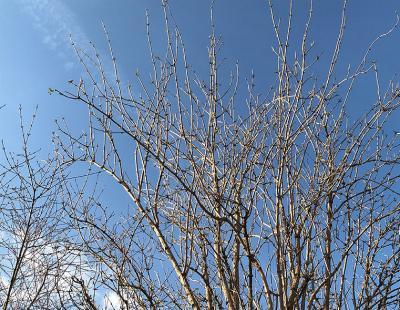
36	266
291	204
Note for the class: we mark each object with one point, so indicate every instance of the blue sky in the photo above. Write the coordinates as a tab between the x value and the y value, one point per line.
35	53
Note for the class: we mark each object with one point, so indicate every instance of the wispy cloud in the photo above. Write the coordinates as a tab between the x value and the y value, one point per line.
56	22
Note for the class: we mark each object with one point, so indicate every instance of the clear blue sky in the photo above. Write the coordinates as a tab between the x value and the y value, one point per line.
35	54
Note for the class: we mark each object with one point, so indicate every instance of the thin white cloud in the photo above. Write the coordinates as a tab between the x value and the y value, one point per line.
55	22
